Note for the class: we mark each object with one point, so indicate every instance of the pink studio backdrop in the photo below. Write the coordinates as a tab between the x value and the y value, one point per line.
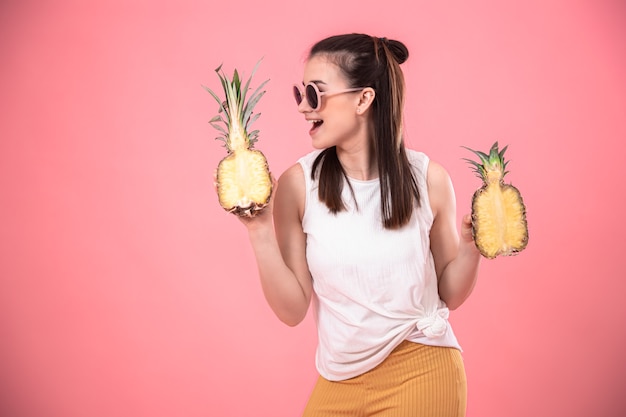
126	291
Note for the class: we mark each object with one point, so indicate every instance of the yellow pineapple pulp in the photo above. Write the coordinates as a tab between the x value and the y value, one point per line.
243	180
499	221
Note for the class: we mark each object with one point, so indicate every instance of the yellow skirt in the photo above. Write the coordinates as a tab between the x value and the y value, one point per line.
414	381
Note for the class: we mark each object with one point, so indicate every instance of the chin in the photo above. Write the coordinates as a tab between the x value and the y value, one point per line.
320	144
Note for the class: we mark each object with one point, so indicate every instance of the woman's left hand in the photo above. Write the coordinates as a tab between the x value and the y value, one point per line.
466	228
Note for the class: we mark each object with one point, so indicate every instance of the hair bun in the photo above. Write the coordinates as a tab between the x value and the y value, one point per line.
397	49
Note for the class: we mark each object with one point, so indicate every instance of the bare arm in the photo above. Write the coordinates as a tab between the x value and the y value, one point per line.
279	249
456	257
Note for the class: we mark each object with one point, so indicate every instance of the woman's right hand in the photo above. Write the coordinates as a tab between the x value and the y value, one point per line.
263	218
279	245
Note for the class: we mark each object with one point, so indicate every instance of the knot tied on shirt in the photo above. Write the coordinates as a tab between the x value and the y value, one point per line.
434	324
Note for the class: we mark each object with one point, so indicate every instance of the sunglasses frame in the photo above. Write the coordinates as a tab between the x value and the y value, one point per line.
300	95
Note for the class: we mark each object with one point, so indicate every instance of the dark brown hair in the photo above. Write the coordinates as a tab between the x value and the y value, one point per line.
373	62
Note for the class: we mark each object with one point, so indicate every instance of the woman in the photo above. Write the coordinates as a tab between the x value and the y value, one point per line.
367	229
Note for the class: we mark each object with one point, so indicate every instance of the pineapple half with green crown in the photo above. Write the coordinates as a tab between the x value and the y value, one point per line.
243	179
499	221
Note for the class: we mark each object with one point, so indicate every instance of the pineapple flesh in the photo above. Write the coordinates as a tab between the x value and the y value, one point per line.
243	179
498	213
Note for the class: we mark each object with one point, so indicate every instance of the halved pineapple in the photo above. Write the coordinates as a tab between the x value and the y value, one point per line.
498	212
243	180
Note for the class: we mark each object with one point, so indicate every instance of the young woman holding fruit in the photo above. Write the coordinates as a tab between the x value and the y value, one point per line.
366	228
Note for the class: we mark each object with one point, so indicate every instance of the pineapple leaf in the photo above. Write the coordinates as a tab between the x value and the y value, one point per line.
217	120
501	154
216	97
492	166
247	86
476	168
220	128
251	104
476	165
483	156
258	90
236	80
212	93
252	119
225	84
255	97
236	89
235	113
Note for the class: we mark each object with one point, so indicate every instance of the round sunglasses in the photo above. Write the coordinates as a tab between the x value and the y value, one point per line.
314	95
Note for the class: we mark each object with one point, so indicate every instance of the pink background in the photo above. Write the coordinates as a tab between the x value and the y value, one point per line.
125	290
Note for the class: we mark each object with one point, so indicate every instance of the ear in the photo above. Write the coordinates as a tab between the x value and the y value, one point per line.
366	98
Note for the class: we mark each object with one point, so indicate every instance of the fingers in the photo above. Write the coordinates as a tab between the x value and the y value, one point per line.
466	227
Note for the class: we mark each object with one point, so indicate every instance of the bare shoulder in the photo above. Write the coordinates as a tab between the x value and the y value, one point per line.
291	189
292	180
437	176
440	191
293	173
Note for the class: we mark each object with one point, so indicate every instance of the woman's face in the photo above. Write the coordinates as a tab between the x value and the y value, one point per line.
335	123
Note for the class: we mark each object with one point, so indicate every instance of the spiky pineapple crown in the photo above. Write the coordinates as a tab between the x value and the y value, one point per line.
236	133
491	168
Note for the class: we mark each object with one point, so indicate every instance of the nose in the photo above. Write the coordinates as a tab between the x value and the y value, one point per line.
304	107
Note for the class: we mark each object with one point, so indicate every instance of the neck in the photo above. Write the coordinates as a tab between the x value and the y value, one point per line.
358	163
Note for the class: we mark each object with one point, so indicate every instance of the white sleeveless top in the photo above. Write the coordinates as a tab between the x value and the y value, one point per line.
374	288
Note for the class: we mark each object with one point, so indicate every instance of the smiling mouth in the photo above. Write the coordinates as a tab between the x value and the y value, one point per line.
315	124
